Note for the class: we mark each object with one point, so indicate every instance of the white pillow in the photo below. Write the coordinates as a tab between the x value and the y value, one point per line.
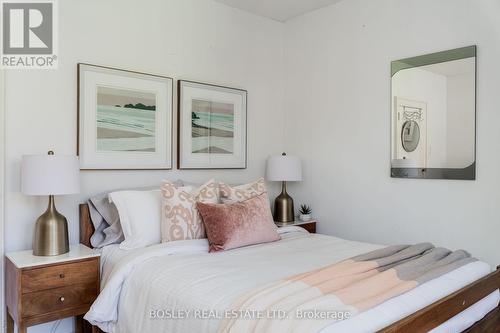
140	216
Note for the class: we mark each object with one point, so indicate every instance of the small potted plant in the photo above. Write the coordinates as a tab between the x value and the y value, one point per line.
305	213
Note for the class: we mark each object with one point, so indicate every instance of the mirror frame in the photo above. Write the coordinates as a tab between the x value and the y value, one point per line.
467	173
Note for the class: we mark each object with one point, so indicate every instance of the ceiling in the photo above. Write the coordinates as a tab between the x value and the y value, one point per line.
280	10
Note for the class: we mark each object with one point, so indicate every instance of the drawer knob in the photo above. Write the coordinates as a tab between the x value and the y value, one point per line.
61	275
61	298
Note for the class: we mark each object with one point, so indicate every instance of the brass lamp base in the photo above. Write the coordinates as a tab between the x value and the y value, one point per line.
283	206
51	232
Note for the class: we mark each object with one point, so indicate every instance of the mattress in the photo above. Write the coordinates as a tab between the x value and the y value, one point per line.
183	275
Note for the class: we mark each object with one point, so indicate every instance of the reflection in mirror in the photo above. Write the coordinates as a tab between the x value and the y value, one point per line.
410	135
433	115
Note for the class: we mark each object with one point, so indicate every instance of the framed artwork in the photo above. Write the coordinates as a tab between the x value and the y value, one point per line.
212	126
124	119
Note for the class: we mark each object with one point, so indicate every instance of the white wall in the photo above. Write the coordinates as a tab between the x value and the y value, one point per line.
190	39
338	120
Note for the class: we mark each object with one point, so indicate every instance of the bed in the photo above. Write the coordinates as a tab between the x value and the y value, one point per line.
139	281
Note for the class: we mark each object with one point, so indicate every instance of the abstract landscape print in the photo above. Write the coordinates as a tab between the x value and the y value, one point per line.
212	122
212	127
126	120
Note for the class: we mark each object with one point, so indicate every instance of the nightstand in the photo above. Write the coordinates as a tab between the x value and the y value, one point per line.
43	289
309	225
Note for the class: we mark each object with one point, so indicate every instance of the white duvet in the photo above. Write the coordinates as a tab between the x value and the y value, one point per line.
180	287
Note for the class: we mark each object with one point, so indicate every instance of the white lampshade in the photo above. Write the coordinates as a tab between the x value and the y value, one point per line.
50	174
284	168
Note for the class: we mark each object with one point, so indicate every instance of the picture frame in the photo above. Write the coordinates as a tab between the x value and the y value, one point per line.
211	126
125	119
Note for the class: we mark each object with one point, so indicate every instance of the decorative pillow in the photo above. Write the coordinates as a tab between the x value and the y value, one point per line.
180	218
139	217
238	224
239	193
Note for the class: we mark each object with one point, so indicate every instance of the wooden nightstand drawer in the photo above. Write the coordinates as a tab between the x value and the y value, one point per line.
41	289
55	276
58	299
59	275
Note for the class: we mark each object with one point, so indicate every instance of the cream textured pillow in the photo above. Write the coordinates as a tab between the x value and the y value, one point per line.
243	192
180	218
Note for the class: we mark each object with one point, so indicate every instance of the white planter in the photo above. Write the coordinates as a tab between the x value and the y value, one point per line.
305	217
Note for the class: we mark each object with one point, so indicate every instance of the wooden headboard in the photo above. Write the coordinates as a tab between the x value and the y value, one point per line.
86	226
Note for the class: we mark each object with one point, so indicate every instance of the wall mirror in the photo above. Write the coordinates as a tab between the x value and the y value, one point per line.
433	115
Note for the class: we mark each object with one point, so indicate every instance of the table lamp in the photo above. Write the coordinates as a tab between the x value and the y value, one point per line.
283	168
50	175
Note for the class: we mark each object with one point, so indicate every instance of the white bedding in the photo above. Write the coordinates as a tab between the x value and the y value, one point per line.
184	276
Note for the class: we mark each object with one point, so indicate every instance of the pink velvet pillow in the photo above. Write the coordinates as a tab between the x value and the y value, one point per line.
238	224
